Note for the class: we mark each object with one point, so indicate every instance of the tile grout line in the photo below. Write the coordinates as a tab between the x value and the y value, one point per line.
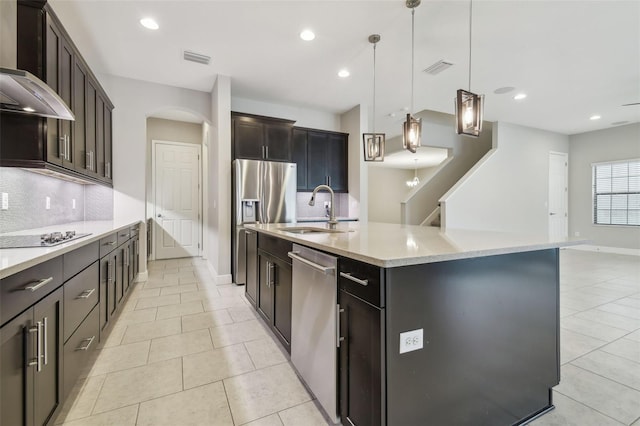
606	378
226	396
588	406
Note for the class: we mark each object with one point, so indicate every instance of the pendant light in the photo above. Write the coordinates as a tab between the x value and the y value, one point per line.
373	143
412	127
469	106
415	181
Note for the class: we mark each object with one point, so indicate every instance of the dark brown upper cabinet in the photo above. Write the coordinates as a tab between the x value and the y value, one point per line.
80	148
321	157
261	138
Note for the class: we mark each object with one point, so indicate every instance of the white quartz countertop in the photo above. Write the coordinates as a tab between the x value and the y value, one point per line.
390	245
14	260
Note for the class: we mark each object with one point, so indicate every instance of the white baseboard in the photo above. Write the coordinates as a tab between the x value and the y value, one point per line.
219	279
605	249
142	276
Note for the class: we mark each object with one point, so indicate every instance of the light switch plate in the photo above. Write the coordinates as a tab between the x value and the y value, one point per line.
411	340
5	201
47	203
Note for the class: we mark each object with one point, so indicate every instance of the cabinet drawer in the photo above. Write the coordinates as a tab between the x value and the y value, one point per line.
108	243
78	350
80	296
23	289
362	280
77	260
133	231
124	235
276	246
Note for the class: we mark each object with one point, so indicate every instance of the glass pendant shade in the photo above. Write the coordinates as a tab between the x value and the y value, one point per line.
469	111
411	133
373	146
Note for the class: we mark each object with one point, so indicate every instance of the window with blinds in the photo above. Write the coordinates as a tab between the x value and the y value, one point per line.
616	193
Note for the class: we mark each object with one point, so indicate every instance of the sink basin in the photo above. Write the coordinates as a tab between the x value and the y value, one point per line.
310	230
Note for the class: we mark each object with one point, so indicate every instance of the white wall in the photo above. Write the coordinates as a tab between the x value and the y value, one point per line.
174	131
354	122
219	195
303	117
508	190
134	101
388	189
618	143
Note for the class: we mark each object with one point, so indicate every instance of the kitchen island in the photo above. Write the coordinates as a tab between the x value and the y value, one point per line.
456	328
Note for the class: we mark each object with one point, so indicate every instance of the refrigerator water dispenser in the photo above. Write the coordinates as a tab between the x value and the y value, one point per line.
249	211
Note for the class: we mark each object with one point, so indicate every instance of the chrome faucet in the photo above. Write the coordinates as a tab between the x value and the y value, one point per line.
332	213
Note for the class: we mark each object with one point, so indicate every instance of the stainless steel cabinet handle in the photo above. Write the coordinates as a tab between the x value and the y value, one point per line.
108	166
327	270
109	276
37	284
109	243
338	338
348	276
37	361
61	146
44	340
329	179
86	294
268	274
89	341
87	161
266	150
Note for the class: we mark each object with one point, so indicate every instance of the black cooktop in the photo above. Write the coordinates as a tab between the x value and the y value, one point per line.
43	240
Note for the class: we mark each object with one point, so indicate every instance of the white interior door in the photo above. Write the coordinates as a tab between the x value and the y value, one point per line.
177	201
558	195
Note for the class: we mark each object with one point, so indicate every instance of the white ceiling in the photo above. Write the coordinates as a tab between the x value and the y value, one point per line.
573	58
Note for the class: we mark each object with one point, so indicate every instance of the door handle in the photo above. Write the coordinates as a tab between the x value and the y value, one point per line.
159	215
338	337
44	341
552	214
86	294
89	341
37	284
37	361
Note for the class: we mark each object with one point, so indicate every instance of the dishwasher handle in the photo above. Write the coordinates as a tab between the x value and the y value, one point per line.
327	270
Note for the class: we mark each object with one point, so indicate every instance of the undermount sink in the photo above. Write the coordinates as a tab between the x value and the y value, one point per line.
310	230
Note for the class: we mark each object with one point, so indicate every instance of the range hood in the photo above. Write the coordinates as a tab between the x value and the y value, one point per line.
23	92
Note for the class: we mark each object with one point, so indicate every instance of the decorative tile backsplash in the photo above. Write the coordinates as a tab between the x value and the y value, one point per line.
303	209
28	192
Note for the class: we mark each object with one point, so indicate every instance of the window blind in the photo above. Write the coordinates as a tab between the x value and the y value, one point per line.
616	193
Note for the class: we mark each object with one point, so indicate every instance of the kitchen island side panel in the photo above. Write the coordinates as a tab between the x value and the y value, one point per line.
491	339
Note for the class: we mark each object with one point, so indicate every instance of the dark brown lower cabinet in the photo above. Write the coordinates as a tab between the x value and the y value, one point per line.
361	357
108	286
274	291
31	364
251	286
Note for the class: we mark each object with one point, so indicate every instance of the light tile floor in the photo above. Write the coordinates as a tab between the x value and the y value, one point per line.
188	352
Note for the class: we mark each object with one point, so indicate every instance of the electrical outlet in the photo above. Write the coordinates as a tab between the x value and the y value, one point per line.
5	201
73	203
411	340
327	204
47	203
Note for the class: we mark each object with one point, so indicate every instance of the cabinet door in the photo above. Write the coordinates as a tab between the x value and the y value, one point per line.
266	275
105	285
337	162
90	119
82	161
48	381
277	142
108	144
300	157
251	285
282	301
248	138
99	155
65	92
316	159
55	143
120	275
361	355
17	348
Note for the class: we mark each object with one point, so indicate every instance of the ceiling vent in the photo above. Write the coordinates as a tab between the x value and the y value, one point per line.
438	67
196	57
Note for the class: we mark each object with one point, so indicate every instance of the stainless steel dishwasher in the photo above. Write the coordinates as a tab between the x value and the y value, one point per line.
314	325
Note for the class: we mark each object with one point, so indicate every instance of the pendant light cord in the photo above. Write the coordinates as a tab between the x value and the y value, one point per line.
413	11
374	87
470	23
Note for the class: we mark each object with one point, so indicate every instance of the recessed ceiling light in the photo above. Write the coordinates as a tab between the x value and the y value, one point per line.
503	90
307	35
28	109
344	73
149	23
595	117
520	96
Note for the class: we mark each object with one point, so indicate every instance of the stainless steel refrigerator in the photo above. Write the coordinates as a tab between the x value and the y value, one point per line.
263	192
